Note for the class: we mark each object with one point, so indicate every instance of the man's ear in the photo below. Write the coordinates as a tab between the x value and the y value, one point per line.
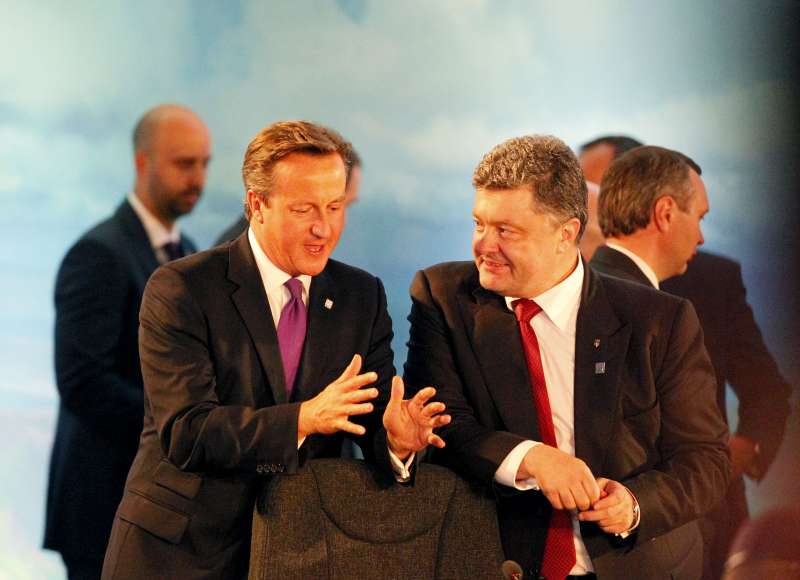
569	234
256	203
664	212
139	161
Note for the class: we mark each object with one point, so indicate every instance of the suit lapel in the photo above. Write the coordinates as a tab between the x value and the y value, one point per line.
495	337
252	304
140	248
321	316
601	343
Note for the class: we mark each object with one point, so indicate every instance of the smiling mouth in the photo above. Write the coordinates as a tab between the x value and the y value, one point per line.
315	250
492	264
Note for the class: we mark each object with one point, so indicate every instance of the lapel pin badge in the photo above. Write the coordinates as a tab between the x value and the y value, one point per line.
596	343
600	368
328	303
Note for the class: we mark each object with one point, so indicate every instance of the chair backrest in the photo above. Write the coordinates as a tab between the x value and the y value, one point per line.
339	519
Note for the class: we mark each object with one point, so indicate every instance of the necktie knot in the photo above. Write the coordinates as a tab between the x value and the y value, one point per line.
173	250
525	309
295	287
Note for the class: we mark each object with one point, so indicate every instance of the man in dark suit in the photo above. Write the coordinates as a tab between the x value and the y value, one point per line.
595	157
638	186
98	292
589	409
258	355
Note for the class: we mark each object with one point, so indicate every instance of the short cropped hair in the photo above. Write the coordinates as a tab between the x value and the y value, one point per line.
281	139
546	165
620	143
636	181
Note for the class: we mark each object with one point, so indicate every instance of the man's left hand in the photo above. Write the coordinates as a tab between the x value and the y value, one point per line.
410	423
613	512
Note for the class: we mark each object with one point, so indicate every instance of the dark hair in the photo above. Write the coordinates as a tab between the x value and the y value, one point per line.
635	181
620	143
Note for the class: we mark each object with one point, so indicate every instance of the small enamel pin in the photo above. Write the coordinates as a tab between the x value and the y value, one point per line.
600	368
596	343
328	303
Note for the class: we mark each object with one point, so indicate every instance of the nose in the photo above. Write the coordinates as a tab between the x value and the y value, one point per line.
484	242
197	176
321	228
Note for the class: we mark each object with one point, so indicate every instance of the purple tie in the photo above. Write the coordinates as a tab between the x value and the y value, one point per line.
292	332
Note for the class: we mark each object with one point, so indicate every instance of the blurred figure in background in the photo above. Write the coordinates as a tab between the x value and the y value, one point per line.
595	157
767	546
98	292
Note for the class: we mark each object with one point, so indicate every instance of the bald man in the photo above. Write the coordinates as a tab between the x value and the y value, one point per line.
98	293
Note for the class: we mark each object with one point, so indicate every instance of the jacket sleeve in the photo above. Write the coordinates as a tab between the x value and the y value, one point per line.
753	374
92	295
693	469
196	431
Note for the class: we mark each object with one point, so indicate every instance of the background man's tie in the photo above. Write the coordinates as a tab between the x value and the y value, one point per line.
173	250
292	332
559	548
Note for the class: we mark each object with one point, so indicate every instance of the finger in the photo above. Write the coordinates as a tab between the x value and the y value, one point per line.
607	502
432	409
353	428
593	515
554	500
361	409
358	381
581	499
423	397
351	370
361	395
436	441
440	421
590	487
567	500
398	390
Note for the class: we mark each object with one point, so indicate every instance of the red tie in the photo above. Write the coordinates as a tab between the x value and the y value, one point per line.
559	548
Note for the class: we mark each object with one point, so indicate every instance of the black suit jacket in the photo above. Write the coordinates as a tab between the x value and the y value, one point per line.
648	419
98	291
741	359
217	421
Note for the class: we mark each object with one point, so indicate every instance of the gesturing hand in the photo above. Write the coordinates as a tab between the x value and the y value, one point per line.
566	481
410	423
330	410
614	511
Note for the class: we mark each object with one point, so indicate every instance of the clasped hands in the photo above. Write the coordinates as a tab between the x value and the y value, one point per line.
409	423
568	483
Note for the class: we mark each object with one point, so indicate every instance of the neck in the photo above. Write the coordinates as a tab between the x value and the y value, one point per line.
147	201
644	247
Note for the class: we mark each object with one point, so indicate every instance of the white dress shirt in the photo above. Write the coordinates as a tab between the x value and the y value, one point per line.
555	331
156	232
643	266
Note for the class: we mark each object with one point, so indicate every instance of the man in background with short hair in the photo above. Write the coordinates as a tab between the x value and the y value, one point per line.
98	292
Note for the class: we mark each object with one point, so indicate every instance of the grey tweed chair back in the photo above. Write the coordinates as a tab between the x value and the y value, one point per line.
338	519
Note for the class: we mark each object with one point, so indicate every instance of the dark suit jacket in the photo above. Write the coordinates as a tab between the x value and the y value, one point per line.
98	291
217	421
741	359
649	420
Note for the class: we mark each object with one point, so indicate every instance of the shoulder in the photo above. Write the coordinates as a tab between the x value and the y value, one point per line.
342	273
638	303
448	277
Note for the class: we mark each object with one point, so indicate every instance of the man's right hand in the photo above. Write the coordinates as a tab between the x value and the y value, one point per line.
331	409
566	481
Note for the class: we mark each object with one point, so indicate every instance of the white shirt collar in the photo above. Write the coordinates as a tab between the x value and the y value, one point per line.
643	266
562	300
155	230
273	277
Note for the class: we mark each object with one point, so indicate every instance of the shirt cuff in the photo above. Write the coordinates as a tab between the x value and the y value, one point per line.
506	474
637	517
402	471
